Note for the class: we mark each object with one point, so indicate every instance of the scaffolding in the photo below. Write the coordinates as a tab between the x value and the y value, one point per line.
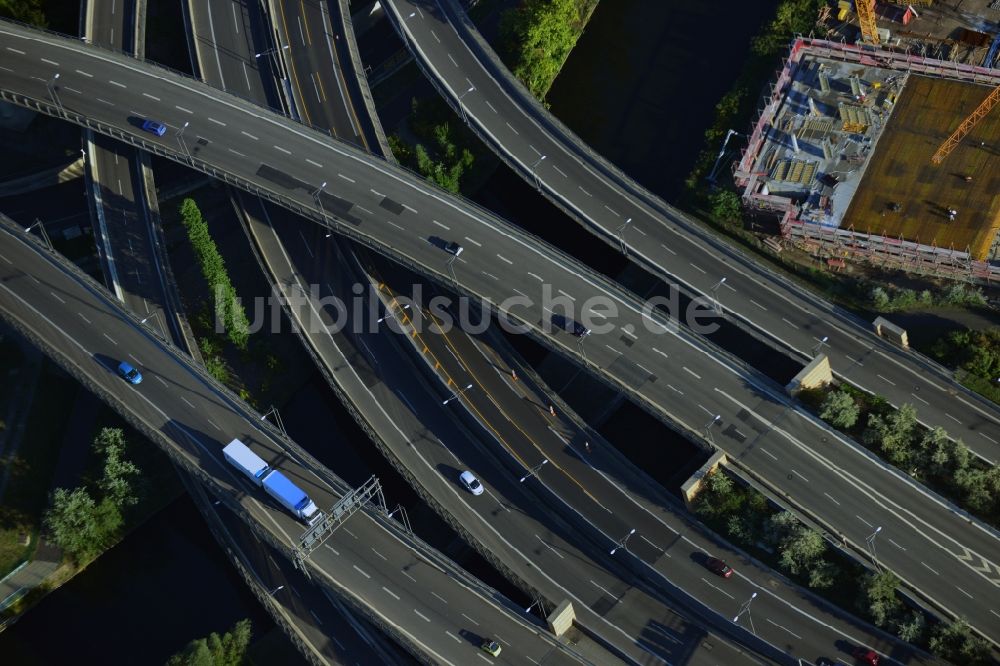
866	18
751	171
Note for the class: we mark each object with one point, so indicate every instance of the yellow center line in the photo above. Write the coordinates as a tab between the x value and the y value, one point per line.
291	61
440	366
302	12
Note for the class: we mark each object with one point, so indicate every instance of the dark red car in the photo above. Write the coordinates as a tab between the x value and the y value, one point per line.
865	656
718	567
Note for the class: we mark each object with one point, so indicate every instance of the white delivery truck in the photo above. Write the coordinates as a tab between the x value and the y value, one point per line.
274	483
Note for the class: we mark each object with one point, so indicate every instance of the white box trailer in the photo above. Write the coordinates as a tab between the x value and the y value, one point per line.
274	483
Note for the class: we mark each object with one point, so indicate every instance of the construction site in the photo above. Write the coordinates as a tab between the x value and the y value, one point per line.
870	151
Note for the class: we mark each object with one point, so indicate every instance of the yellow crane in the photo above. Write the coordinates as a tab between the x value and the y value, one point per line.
956	137
866	17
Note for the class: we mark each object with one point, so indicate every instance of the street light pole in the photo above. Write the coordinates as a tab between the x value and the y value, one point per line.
388	313
317	195
621	545
180	139
745	608
708	427
715	293
621	236
461	107
51	85
534	470
820	344
534	172
275	590
42	232
456	394
871	545
154	315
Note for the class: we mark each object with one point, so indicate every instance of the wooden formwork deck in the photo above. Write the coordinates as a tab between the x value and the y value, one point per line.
900	171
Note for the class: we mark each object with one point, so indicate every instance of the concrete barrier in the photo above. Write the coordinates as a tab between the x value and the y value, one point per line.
691	487
886	329
814	375
561	619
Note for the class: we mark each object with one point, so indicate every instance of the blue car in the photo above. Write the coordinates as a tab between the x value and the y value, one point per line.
128	373
153	127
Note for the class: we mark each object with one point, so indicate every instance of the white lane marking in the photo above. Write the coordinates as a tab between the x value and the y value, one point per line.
896	544
919	398
534	150
964	592
612	349
640	231
332	549
115	83
104	101
361	571
181	108
549	546
83	318
395	225
799	474
51	62
284	150
785	628
390	593
457	639
247	134
698	268
6	259
160	379
217	122
13	50
691	372
988	437
83	73
214	425
408	575
668	249
830	497
470	619
57	298
490	275
512	128
443	226
452	60
561	172
584	191
319	621
473	241
606	590
863	520
187	402
886	379
758	305
790	323
314	163
503	258
855	362
719	589
768	454
613	211
952	417
663	354
421	615
152	97
236	152
442	599
572	298
109	338
537	277
434	35
348	179
492	108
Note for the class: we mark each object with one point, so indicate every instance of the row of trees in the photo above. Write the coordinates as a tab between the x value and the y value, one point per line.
895	300
929	455
975	355
746	516
229	311
84	522
29	11
538	36
229	649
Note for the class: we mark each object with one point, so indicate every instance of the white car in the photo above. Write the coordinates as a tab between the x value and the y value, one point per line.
470	482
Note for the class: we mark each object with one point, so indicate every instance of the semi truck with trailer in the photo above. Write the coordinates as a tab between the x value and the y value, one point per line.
274	483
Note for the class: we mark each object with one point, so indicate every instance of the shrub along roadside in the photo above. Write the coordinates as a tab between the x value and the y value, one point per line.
538	36
975	357
778	539
442	154
928	455
228	308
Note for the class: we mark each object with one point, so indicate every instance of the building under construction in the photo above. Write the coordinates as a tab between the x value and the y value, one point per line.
871	154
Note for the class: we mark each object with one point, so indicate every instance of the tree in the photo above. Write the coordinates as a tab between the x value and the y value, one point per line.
107	438
801	549
839	409
955	642
878	597
718	496
226	650
726	206
912	630
79	525
822	574
29	11
894	433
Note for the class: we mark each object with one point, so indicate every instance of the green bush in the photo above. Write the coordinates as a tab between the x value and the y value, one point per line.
226	650
726	206
839	409
228	308
81	526
29	11
539	35
956	643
